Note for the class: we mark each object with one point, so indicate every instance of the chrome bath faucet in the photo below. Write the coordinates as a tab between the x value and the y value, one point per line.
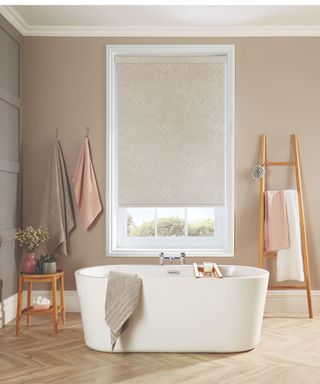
181	257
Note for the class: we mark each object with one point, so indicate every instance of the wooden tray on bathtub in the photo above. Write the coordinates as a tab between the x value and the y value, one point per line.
198	271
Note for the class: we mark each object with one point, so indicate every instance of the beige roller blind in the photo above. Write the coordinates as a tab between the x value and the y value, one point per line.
171	131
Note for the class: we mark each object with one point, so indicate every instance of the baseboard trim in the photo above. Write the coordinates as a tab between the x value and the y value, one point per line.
291	301
8	309
278	302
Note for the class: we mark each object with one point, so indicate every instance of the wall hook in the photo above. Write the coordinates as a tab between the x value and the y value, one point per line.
57	132
87	131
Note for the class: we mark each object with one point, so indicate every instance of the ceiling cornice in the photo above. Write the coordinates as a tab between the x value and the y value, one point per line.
155	31
14	19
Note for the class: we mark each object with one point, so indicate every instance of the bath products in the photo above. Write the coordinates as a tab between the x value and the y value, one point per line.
41	300
41	303
207	268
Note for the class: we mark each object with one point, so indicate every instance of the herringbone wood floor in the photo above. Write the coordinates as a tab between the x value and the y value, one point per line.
289	353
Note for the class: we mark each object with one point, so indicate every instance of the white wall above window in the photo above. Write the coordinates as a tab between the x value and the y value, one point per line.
118	241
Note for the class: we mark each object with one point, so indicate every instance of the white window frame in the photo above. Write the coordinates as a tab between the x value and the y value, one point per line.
112	248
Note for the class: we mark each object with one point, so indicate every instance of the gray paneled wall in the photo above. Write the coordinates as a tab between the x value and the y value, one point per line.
10	117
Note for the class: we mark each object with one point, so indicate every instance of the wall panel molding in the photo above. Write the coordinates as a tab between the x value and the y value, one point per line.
8	309
10	159
10	98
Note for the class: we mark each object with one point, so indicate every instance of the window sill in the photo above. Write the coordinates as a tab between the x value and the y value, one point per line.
127	252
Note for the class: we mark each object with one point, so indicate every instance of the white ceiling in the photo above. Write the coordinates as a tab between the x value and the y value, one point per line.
183	16
164	20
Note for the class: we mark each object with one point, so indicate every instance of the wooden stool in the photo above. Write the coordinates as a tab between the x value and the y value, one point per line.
52	278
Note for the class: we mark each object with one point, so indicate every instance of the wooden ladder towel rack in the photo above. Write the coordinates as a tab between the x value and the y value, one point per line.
304	245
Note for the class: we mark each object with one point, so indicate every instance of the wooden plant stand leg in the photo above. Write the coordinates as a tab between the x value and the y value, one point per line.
29	302
19	304
63	313
54	305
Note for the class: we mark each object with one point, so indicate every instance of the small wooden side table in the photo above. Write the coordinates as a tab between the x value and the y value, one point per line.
52	278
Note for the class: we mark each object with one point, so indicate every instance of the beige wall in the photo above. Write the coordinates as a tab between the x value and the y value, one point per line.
277	92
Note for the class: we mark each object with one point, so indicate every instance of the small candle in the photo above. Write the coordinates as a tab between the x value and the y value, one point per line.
207	267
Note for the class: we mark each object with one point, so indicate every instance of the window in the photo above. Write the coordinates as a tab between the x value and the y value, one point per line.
170	149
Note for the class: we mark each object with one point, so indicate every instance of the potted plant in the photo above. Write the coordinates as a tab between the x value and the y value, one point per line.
30	240
49	264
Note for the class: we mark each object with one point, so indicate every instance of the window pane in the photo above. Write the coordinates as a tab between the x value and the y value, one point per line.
141	222
170	222
200	222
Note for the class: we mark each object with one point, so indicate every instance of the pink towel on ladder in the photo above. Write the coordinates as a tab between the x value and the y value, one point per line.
85	187
276	224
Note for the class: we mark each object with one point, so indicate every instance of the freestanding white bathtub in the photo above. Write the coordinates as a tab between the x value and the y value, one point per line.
177	312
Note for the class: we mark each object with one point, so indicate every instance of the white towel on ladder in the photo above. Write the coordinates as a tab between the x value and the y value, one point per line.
289	261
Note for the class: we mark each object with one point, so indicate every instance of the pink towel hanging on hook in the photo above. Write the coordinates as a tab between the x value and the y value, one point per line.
85	187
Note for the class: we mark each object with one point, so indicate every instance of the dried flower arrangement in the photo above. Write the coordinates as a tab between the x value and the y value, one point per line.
30	238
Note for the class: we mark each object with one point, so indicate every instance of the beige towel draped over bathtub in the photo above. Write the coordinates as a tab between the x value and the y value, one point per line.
122	298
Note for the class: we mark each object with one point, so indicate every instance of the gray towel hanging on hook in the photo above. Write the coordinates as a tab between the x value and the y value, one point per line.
57	211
